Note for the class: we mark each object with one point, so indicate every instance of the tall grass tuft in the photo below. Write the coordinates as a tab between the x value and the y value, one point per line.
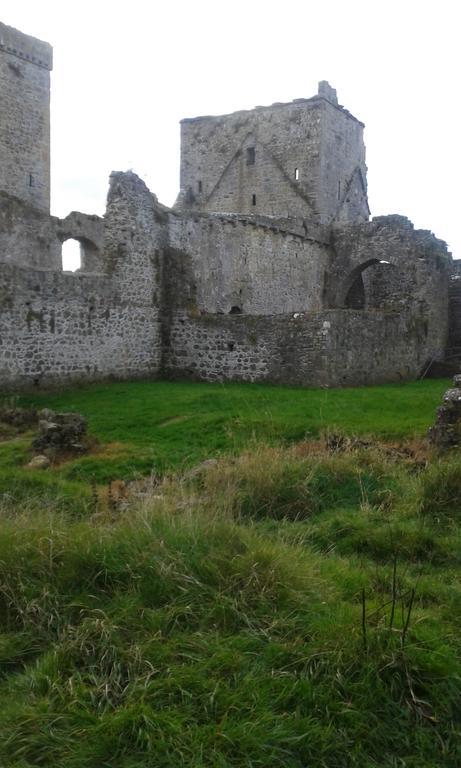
276	483
440	491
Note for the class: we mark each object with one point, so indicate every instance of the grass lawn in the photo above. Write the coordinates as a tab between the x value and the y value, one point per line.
144	426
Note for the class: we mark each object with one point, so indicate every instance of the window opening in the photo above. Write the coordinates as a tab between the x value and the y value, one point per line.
71	255
251	156
31	180
296	174
253	200
200	186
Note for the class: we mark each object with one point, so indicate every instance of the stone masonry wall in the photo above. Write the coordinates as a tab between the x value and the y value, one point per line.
57	327
251	265
331	348
25	65
454	336
418	266
27	235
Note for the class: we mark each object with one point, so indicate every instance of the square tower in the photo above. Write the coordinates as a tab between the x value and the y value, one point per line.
304	159
25	65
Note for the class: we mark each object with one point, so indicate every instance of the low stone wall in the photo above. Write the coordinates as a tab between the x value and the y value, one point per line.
330	348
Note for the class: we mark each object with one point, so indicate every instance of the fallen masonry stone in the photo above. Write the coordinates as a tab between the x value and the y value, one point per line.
60	433
18	417
446	432
39	462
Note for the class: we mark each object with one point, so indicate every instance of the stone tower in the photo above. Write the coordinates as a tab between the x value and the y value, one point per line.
25	65
304	159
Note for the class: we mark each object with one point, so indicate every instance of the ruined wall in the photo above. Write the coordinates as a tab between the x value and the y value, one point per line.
25	65
332	348
454	334
251	265
293	160
28	236
417	273
57	327
399	329
269	273
89	231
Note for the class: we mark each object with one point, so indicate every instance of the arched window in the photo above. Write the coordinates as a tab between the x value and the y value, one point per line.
80	253
71	255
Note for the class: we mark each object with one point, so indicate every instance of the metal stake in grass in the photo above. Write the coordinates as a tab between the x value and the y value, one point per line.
394	591
364	622
407	620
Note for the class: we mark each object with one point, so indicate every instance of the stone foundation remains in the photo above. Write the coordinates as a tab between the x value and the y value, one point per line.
267	268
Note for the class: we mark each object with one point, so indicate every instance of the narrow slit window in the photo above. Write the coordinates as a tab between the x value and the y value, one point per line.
339	190
296	174
200	186
253	200
31	180
251	156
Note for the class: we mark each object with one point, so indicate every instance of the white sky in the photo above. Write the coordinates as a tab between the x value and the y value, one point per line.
125	73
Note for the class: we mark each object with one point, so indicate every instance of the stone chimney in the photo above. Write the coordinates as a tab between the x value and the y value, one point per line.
327	92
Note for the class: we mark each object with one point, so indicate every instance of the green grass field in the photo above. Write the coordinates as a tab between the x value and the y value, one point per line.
287	606
164	426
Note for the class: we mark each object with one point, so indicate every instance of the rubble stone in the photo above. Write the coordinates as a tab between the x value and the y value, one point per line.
60	433
446	432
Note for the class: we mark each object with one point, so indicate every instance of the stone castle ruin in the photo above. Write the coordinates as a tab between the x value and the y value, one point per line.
266	269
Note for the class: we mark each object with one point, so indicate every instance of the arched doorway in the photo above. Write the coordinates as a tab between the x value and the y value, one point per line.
374	284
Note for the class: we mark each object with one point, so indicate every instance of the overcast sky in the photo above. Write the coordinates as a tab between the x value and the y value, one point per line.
125	73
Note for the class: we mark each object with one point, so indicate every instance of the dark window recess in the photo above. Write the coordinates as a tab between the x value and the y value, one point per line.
200	186
31	180
235	310
339	190
355	298
253	200
230	346
296	174
251	156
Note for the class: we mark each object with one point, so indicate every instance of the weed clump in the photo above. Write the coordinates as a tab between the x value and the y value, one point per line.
278	484
440	491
